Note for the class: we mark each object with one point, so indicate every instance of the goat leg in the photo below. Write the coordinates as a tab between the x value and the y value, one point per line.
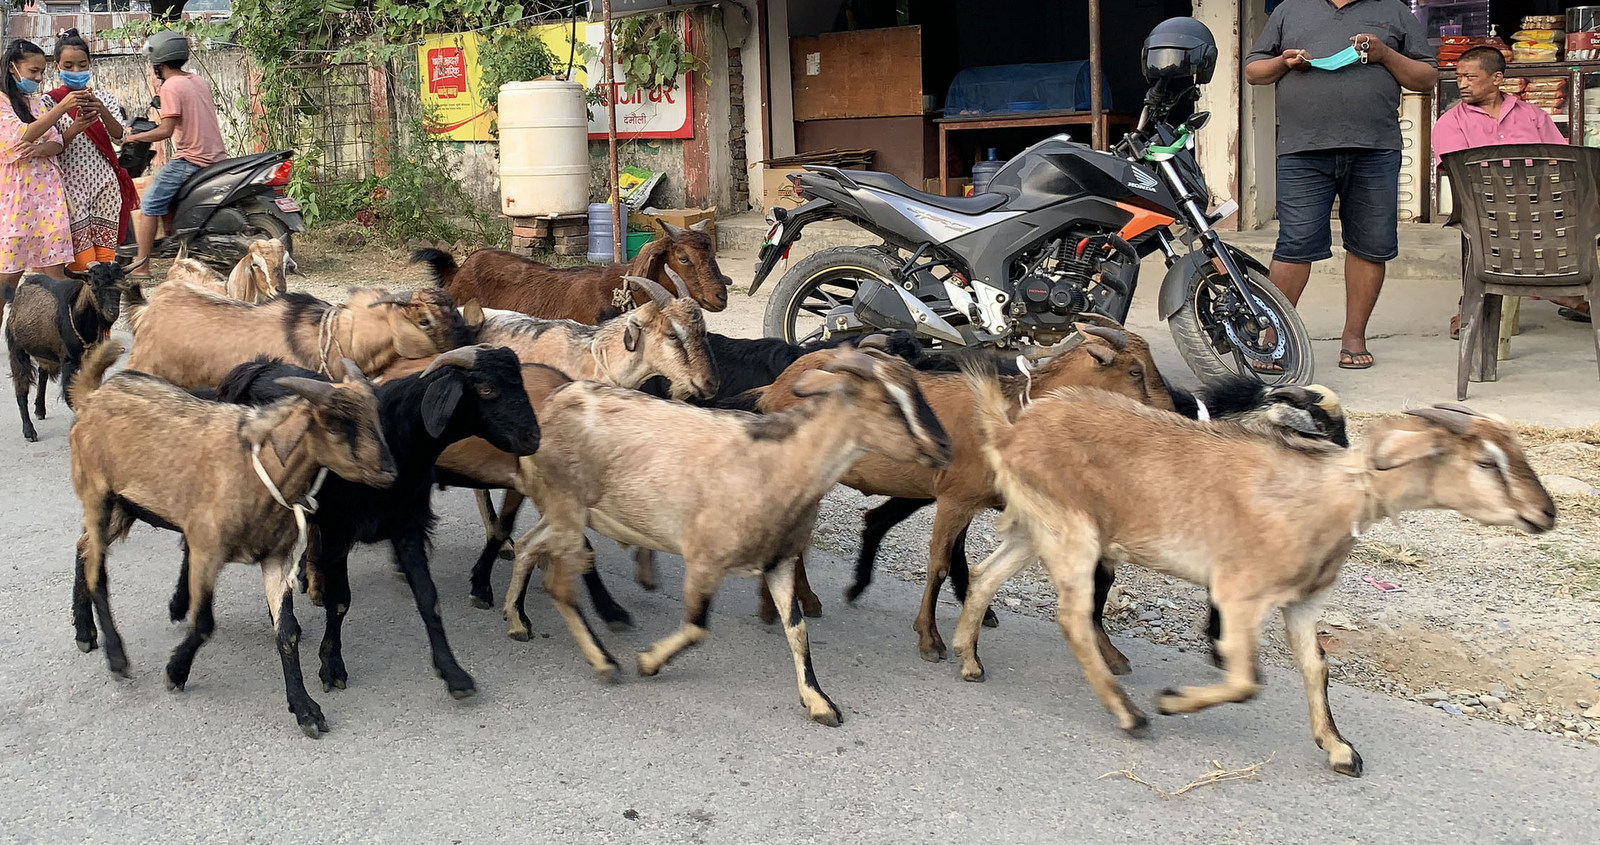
336	603
21	379
809	603
1105	575
178	605
780	579
876	525
1300	623
614	615
1241	631
644	569
1005	561
82	606
700	583
498	527
1071	559
38	396
959	576
200	586
411	553
92	556
558	583
280	604
948	519
69	369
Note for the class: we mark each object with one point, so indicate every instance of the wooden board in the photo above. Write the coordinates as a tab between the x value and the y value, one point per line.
908	147
866	73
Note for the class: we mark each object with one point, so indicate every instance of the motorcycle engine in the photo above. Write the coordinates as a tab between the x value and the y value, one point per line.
1062	280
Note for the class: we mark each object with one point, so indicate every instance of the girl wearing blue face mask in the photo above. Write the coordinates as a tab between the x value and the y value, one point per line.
99	192
34	232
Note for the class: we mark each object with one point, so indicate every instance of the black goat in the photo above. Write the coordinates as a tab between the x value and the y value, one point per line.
53	322
467	392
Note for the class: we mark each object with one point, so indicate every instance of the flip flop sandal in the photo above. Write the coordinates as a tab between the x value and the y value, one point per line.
1267	368
1575	315
1455	327
1352	364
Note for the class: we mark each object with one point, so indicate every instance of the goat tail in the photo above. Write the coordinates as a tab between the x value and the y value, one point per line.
993	412
442	263
99	359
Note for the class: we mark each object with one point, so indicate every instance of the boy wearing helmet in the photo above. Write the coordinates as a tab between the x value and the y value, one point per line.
189	117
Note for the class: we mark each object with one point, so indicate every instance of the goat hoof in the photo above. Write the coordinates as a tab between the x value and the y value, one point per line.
1120	668
172	685
647	665
1136	724
119	667
1168	702
1351	767
975	675
506	554
932	655
468	692
813	611
831	718
336	683
483	602
610	673
620	624
990	620
31	436
88	645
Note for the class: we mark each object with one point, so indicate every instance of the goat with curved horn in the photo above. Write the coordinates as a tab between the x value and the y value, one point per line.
402	298
351	370
462	356
677	281
854	363
1116	337
658	294
1453	420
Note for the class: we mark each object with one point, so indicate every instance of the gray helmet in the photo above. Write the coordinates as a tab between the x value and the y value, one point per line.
167	47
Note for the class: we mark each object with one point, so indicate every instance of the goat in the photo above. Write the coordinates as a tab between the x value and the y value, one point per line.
473	391
52	324
683	260
604	463
257	277
1087	475
664	337
1110	358
193	337
143	449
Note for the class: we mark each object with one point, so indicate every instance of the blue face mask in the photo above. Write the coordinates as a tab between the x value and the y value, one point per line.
77	80
26	85
1344	58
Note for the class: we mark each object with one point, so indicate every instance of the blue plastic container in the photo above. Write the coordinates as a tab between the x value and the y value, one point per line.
601	250
982	173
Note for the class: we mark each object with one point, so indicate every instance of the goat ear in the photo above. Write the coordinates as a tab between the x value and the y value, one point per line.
439	402
1101	351
631	333
818	383
1401	446
472	314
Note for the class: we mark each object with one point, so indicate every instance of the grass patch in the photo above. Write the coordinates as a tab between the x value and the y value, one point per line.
1391	555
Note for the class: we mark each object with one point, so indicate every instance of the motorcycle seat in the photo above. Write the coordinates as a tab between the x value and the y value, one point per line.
892	184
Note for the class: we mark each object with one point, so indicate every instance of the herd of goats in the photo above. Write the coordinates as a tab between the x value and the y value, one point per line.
271	427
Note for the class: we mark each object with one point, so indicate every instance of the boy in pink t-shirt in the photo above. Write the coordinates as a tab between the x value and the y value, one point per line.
189	117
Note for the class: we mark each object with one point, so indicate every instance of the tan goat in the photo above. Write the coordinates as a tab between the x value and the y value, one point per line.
232	479
259	276
194	337
605	463
1113	359
1087	475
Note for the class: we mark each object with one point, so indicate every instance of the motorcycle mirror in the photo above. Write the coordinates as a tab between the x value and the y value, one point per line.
1197	120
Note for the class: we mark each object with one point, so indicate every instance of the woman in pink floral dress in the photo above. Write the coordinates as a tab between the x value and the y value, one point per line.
34	229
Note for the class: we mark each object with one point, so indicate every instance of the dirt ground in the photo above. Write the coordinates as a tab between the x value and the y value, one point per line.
1488	622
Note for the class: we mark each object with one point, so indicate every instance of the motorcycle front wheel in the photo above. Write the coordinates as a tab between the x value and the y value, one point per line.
1217	338
820	283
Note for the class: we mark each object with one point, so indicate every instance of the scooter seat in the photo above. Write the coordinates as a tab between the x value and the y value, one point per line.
227	165
893	184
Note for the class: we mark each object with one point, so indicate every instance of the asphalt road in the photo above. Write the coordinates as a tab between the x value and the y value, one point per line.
715	749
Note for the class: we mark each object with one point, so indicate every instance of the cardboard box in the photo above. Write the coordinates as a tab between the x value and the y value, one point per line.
776	189
680	217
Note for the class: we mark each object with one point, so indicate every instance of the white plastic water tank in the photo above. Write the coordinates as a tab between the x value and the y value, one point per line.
544	149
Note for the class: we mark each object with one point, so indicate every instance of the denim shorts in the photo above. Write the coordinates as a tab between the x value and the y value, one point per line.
157	199
1367	183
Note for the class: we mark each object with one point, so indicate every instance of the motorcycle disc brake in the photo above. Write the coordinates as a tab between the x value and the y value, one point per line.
1248	347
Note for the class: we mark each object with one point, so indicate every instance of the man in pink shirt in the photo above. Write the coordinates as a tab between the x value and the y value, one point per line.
189	117
1485	117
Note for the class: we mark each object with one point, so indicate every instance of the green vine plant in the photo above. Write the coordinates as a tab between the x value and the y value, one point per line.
513	54
650	51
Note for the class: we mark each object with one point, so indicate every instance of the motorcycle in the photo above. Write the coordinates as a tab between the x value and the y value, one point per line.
1056	239
221	208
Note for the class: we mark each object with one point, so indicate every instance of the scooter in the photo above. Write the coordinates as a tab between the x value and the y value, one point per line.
223	207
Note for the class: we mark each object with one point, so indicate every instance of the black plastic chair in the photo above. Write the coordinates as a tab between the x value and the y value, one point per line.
1530	219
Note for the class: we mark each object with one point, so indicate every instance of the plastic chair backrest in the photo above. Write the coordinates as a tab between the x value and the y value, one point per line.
1530	212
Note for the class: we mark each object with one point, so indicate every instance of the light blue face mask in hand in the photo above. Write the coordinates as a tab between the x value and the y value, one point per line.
1344	58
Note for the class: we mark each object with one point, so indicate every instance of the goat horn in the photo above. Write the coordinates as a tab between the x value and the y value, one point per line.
1457	407
1040	353
874	341
401	298
1455	421
657	293
310	388
1116	337
351	370
852	362
1092	318
677	281
464	357
1296	394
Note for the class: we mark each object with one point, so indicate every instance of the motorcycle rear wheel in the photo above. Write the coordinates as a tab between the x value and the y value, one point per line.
821	281
1203	340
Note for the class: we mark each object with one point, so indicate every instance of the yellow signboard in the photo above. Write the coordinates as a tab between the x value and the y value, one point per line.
452	88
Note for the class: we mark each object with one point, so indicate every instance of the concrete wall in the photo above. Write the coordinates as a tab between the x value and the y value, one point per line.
1218	144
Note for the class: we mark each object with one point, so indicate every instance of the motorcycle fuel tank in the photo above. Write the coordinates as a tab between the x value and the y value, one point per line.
1058	169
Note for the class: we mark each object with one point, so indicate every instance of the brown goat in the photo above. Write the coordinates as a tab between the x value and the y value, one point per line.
683	261
1112	359
259	275
234	480
1087	475
193	337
